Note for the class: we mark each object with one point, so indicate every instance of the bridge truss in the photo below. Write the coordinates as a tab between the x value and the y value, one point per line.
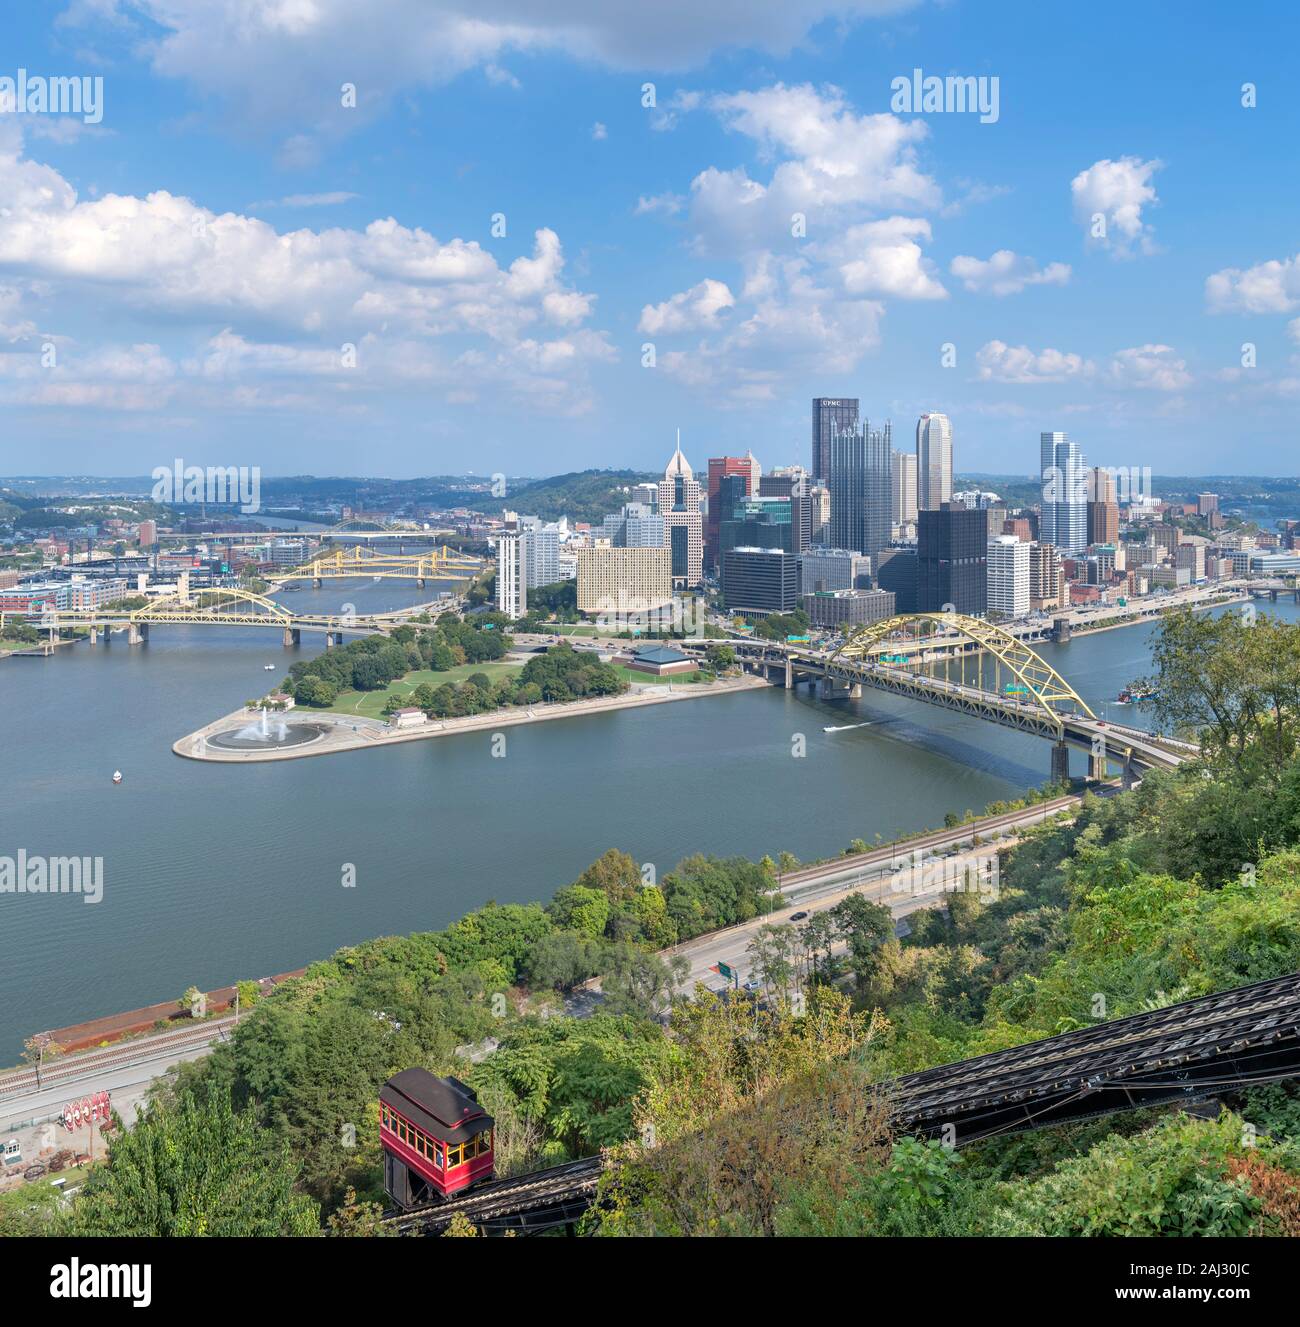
353	561
929	656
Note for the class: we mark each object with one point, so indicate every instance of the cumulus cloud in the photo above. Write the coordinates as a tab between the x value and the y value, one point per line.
1108	200
837	162
1150	367
884	258
689	310
166	255
1270	287
796	327
1006	273
998	362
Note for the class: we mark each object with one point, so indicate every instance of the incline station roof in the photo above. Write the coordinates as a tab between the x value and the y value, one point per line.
444	1108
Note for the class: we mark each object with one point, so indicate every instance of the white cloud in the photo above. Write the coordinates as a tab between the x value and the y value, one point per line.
282	61
884	258
1271	287
1152	367
998	362
330	199
168	256
1006	273
837	161
599	132
796	328
1116	191
667	203
699	307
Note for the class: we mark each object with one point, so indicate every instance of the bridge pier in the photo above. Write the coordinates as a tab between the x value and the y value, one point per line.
1097	768
137	633
94	635
789	676
834	689
1061	630
336	638
292	636
315	582
1130	772
1060	763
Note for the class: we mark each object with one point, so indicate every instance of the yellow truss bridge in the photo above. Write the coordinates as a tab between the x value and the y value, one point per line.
224	607
977	664
349	562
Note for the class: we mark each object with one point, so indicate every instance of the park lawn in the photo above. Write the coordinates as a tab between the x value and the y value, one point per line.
638	678
371	703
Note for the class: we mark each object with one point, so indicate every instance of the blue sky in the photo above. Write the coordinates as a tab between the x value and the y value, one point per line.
183	278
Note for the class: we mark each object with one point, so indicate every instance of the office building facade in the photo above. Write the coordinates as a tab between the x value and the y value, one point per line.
952	548
860	480
933	461
830	414
848	608
903	494
826	569
623	580
747	470
1064	519
760	580
679	506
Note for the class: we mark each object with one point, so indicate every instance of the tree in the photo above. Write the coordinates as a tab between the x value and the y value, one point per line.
615	874
195	1168
866	926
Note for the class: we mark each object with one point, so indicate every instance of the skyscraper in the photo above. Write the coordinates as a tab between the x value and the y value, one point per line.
1064	476
860	481
679	505
792	482
933	462
952	549
904	504
719	468
828	414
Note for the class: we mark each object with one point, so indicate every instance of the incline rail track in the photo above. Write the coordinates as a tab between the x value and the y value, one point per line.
1182	1053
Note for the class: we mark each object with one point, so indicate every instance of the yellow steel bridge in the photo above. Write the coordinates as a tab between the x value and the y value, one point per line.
349	562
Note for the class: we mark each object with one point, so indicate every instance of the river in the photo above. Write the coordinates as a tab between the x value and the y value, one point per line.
217	872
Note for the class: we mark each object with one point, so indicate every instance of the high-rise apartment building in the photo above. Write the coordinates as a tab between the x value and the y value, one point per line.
860	479
903	506
679	505
1064	520
512	573
1046	578
721	467
952	548
1008	583
830	414
933	462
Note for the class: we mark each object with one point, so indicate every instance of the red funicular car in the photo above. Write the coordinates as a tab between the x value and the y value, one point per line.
437	1139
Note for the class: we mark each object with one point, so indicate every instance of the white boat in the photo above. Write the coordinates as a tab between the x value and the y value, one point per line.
270	668
117	776
844	727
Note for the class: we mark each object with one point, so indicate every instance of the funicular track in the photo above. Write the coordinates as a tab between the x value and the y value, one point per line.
1184	1052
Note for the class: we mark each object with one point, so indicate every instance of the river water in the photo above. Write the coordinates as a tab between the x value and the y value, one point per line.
216	872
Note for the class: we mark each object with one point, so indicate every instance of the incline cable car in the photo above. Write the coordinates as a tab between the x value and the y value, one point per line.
437	1139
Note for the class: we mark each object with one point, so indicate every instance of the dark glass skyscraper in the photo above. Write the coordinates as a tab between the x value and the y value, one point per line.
828	414
861	476
952	550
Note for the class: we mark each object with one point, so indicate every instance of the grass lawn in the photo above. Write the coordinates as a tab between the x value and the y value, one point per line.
371	703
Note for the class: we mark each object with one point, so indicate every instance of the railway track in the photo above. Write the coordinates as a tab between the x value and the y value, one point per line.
1182	1053
117	1057
526	1204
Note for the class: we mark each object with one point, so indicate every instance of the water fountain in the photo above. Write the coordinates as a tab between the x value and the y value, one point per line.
261	736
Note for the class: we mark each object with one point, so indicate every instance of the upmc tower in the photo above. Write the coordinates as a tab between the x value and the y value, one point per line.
830	414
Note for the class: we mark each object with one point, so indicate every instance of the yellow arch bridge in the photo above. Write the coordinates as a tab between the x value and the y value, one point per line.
966	664
349	562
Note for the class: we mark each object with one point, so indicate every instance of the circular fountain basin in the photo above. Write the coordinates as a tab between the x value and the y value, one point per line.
275	736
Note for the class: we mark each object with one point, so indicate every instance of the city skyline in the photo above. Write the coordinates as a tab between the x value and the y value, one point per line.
382	254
